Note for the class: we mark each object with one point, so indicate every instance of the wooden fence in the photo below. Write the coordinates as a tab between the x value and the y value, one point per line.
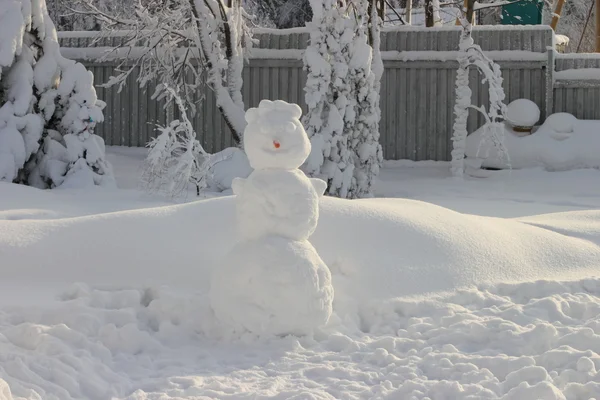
417	96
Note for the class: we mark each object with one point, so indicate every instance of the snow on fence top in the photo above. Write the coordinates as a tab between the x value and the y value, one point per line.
577	61
490	38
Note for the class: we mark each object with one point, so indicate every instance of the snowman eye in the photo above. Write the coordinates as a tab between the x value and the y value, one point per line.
289	127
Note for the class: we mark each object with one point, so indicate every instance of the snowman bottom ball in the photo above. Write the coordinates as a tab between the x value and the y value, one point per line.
272	286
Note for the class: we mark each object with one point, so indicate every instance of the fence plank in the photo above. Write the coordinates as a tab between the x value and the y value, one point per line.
389	137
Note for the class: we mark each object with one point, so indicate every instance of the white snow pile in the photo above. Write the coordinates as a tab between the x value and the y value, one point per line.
233	164
140	325
562	143
522	113
273	281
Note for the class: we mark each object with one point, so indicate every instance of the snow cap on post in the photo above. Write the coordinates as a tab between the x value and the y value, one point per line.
522	113
274	137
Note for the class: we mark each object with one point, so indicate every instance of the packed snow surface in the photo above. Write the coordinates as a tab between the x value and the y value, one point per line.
139	325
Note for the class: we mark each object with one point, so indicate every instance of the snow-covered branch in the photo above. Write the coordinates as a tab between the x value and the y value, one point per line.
186	44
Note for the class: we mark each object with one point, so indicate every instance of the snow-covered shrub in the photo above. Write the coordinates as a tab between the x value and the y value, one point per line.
176	158
48	105
472	54
342	94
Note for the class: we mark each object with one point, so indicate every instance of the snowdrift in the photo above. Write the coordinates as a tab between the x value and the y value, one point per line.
117	339
562	143
376	249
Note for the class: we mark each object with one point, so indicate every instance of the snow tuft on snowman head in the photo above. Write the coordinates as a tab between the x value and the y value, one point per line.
274	136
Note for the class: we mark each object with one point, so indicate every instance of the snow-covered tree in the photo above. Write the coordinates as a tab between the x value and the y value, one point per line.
184	44
280	14
327	88
366	69
65	19
471	54
46	101
342	98
577	23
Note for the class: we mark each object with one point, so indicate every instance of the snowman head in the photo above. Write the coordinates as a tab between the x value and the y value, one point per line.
274	136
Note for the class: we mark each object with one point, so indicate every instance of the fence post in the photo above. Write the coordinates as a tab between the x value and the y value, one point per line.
550	81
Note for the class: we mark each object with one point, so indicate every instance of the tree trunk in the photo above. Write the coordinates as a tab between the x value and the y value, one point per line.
380	12
597	26
408	12
469	7
429	20
557	14
229	99
470	11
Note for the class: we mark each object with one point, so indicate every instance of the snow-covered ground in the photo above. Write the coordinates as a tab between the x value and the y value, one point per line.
479	289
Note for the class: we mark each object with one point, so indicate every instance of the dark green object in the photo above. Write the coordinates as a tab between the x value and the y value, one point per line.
524	12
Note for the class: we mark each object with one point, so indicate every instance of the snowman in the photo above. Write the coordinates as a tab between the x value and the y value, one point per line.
273	282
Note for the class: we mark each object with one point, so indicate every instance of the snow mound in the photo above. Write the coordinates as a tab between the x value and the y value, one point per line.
522	112
561	122
376	249
272	285
561	143
143	328
233	163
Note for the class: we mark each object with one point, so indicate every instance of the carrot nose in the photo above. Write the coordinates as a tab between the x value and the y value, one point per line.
276	144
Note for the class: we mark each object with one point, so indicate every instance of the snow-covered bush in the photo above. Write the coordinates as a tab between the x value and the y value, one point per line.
176	158
48	106
342	94
471	54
